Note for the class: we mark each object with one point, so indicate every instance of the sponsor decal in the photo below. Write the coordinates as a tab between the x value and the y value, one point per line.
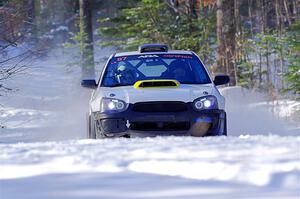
119	59
178	56
147	56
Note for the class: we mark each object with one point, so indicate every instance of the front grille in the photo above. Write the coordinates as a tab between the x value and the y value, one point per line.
160	126
159	107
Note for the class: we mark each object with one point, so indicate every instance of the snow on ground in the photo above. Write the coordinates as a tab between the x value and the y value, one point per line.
43	153
162	167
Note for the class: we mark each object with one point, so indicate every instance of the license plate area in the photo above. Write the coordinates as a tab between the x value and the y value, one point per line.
160	126
156	118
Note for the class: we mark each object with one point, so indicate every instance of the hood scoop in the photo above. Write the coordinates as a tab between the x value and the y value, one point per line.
161	83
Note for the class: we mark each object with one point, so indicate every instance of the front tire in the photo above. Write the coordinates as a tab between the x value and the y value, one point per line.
225	125
91	133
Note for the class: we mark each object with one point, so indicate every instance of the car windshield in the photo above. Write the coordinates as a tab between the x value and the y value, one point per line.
126	70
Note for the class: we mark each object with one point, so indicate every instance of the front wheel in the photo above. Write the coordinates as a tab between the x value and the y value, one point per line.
220	128
225	125
91	133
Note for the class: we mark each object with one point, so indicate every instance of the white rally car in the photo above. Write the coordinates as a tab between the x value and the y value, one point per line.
156	91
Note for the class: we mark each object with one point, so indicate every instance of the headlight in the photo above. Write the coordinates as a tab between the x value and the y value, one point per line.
207	102
112	105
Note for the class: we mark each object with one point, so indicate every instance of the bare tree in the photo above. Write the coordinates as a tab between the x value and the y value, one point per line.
13	58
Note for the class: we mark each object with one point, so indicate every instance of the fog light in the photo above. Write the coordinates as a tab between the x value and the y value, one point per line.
199	105
120	105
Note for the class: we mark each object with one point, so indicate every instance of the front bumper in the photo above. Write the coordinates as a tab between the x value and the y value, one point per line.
139	124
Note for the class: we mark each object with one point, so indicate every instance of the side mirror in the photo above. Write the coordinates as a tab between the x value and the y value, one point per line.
89	83
221	80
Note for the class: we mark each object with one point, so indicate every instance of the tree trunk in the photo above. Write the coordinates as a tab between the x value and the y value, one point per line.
278	15
260	70
70	14
226	29
260	15
264	11
31	22
86	33
237	16
192	8
296	5
287	12
268	72
250	4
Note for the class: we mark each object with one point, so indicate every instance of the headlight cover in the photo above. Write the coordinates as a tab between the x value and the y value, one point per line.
110	105
205	103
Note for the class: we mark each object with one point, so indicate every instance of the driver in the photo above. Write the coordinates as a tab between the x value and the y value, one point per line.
125	75
180	71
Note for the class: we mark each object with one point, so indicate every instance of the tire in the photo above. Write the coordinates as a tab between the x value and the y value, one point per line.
91	133
225	125
222	127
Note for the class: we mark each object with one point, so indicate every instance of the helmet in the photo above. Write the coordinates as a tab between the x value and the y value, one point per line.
180	71
125	75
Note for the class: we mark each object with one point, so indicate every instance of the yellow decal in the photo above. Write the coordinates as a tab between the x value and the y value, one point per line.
157	83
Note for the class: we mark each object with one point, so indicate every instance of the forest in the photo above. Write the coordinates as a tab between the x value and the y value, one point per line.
256	42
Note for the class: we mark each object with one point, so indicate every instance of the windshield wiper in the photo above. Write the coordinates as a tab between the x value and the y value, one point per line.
194	82
117	85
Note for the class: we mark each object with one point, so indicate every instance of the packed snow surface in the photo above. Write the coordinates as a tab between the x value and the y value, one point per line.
44	153
162	167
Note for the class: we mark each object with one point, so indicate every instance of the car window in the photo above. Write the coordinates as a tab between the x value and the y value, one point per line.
127	70
152	70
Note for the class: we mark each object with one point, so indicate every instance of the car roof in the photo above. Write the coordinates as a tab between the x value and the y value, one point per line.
121	54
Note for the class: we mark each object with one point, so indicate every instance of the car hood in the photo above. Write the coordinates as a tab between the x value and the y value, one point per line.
129	94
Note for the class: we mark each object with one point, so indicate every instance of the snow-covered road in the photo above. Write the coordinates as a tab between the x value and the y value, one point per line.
44	153
161	167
